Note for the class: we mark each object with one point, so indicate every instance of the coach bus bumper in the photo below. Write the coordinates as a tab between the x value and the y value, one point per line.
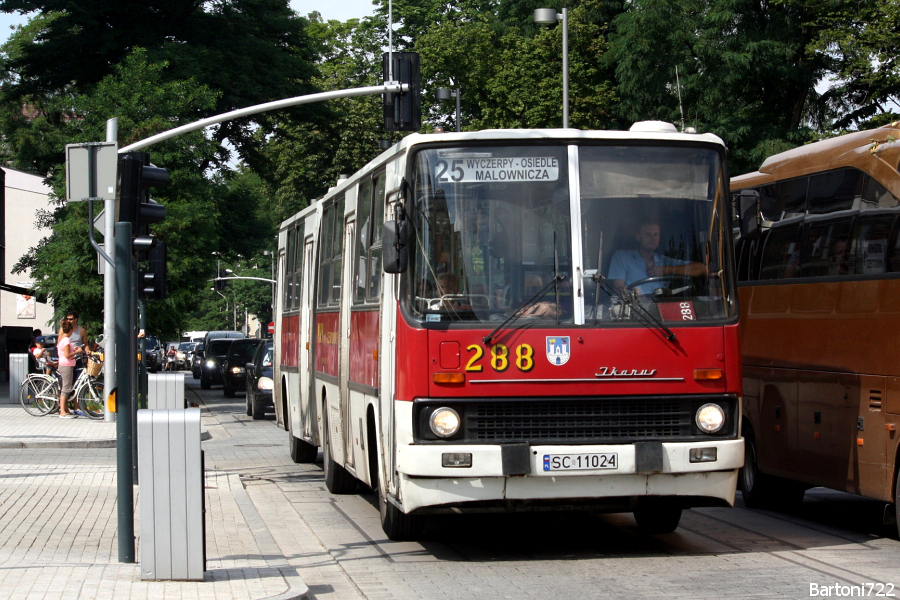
426	482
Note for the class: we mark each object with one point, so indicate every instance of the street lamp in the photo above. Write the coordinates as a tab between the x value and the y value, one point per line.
549	16
446	94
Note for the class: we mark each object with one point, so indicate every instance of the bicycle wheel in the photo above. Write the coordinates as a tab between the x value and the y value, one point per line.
49	392
30	395
90	398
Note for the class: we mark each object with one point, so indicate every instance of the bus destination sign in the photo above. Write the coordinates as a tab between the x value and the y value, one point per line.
497	169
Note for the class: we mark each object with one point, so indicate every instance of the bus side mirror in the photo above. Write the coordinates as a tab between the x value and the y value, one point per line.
395	246
750	218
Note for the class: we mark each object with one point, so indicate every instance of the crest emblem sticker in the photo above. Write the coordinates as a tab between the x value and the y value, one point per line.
558	349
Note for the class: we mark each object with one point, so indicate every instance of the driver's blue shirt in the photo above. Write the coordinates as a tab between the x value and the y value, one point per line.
630	266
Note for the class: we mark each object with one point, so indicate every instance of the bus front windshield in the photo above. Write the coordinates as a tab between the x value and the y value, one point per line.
497	234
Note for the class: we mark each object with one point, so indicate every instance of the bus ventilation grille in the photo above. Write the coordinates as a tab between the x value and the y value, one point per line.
579	420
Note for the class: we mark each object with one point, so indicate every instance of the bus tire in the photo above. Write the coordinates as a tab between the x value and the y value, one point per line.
757	488
337	479
397	525
301	451
657	515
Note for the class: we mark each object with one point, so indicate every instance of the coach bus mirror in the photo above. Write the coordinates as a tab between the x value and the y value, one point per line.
395	248
750	219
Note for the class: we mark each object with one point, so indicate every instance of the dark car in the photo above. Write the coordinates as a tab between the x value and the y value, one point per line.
211	367
234	371
197	360
259	381
154	354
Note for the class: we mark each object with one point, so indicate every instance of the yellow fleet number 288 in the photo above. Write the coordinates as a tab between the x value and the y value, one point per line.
500	357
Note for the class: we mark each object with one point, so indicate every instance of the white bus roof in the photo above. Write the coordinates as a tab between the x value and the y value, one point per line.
644	131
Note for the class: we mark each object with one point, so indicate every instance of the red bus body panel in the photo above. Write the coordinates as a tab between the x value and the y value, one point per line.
327	338
290	341
601	362
364	347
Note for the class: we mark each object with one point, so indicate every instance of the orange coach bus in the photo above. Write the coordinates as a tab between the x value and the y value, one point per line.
819	297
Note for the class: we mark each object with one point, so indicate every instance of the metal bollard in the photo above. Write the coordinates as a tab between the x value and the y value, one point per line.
173	544
18	371
165	391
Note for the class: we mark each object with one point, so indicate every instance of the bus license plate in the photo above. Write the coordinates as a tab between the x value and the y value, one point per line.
581	462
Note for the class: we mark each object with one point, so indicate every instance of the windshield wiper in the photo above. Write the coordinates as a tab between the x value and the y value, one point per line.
643	315
518	312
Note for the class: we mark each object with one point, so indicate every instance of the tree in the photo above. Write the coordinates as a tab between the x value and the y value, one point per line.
64	265
250	51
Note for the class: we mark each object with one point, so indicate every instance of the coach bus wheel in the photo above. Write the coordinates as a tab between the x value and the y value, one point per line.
655	515
337	479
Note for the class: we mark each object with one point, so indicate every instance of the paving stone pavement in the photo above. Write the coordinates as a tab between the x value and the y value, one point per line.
58	520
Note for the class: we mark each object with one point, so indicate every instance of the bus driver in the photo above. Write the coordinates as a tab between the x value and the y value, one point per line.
630	266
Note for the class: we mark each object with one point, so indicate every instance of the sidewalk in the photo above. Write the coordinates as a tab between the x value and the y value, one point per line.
44	557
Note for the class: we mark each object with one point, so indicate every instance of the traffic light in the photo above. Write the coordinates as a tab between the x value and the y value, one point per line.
220	284
152	281
403	111
136	177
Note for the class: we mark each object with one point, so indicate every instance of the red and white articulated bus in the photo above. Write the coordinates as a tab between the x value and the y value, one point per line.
517	320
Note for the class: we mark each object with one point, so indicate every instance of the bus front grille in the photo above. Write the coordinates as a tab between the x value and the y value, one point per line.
578	420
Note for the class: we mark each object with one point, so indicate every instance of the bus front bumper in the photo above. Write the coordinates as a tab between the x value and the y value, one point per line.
424	482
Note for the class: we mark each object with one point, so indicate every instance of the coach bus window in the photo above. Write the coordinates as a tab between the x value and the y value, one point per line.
875	195
781	254
363	235
872	236
791	197
827	249
373	284
833	191
768	202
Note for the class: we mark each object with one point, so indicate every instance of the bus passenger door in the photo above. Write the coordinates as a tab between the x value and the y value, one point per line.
308	409
344	345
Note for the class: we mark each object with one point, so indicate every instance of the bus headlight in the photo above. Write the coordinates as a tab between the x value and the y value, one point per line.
265	383
710	418
237	370
444	422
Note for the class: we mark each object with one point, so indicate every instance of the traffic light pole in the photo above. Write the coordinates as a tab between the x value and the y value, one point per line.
124	360
109	290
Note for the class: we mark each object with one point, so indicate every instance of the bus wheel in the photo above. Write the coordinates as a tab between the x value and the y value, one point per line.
337	479
397	525
301	451
655	515
756	486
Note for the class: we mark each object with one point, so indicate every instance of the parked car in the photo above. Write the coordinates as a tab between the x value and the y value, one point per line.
259	381
234	371
213	356
197	360
153	360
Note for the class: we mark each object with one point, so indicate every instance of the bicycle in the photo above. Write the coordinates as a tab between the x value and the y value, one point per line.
39	394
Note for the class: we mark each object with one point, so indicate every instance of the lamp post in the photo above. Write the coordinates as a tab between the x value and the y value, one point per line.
549	16
446	94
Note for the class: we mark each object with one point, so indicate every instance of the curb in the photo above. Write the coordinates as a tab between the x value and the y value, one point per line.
76	444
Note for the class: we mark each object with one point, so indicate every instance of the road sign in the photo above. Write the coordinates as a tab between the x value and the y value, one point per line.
271	327
91	171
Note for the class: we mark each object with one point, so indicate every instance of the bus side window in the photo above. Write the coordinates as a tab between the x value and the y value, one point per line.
791	197
872	236
833	191
875	195
827	248
781	253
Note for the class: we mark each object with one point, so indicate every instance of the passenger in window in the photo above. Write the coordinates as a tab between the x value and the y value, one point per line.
840	259
630	266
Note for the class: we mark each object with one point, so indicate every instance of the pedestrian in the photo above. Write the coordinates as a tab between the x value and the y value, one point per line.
67	354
